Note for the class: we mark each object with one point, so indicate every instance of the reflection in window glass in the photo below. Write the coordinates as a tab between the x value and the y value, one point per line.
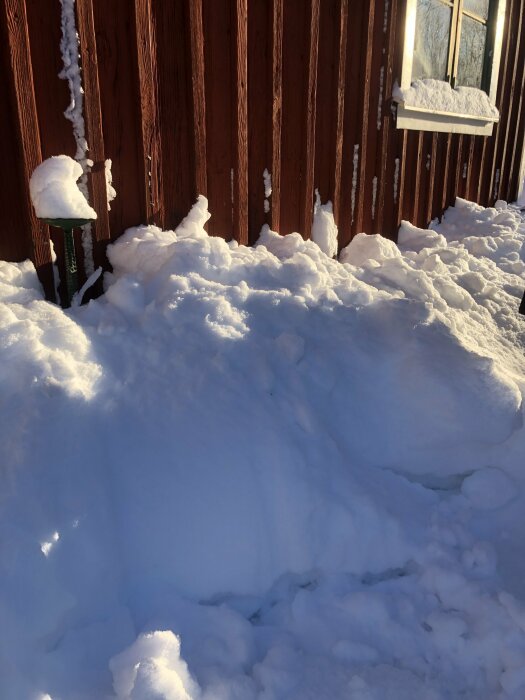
480	7
432	40
471	53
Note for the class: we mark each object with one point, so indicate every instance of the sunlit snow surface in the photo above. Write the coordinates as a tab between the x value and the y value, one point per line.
261	473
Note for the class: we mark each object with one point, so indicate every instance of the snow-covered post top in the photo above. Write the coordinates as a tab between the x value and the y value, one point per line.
59	202
55	193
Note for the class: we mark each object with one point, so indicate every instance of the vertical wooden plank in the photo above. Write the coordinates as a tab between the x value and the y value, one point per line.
175	108
93	123
15	229
14	14
400	204
454	171
409	180
514	104
339	125
401	136
277	107
456	191
495	144
425	193
51	93
295	59
429	214
330	100
309	154
219	50
198	95
52	98
374	174
364	110
469	179
482	166
150	130
516	145
260	27
437	195
411	201
300	52
240	123
387	162
386	175
517	151
351	128
120	104
445	174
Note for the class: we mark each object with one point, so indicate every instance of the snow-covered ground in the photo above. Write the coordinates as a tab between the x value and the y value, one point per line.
263	474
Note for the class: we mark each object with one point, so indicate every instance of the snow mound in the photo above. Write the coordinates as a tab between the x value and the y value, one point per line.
41	346
488	488
324	228
151	669
364	248
54	190
412	238
253	473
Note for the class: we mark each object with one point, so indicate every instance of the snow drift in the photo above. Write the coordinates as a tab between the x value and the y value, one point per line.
261	473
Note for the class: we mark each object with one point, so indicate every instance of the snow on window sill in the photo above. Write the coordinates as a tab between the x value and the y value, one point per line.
433	105
423	119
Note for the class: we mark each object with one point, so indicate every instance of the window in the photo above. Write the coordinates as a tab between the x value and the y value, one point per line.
457	42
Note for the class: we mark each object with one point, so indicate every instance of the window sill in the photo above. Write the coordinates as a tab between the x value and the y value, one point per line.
421	119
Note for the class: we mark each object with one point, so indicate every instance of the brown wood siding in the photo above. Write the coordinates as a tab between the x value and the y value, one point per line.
193	97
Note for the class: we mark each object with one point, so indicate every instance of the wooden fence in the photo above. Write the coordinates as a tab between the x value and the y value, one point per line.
200	96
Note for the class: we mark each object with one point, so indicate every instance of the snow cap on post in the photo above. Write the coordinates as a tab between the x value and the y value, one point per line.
54	190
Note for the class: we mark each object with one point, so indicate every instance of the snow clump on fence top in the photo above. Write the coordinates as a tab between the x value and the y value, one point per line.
54	190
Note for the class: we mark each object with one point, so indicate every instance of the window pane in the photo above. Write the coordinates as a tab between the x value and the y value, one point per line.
480	7
432	40
471	53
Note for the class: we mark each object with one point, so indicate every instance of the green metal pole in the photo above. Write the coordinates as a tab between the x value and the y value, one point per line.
68	226
71	265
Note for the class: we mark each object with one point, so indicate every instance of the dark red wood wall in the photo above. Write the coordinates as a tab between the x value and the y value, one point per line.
200	96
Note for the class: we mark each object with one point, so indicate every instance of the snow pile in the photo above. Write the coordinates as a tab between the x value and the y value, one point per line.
54	192
152	668
261	474
487	233
439	96
366	247
324	228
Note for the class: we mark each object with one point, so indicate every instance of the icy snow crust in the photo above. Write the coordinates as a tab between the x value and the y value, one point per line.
439	96
263	474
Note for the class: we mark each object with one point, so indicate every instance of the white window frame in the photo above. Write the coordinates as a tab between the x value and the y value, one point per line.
423	119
